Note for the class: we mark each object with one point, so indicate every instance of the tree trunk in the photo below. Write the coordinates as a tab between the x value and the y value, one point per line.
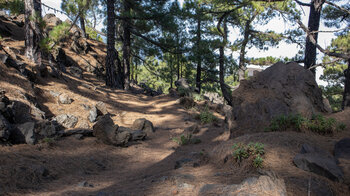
126	46
32	31
346	95
112	55
224	87
171	71
136	72
199	59
241	66
313	25
82	25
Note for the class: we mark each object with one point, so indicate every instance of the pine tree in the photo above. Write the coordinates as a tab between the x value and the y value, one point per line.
33	32
112	79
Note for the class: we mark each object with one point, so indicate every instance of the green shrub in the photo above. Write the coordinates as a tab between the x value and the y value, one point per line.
283	122
184	92
258	161
317	123
58	33
16	7
206	116
241	151
197	97
186	139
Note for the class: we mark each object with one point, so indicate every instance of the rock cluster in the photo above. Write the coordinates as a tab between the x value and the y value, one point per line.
112	134
18	126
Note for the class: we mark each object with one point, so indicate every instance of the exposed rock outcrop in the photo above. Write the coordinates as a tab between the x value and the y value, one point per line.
280	89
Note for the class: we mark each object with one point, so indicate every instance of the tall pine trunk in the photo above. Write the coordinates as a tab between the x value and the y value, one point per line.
33	32
313	26
126	45
346	95
112	55
199	59
224	87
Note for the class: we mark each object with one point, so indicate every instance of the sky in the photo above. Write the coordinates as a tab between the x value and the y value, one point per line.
283	50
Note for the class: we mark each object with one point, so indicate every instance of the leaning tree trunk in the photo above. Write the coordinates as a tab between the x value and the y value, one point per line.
32	32
241	66
346	95
82	25
224	87
112	55
313	26
126	46
199	59
247	31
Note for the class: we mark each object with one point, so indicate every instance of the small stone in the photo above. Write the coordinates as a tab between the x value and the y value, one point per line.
182	162
83	184
75	71
101	107
55	94
79	136
64	99
193	129
175	192
144	125
86	107
27	130
93	114
67	120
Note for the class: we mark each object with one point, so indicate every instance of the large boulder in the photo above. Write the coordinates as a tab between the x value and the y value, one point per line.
279	90
261	186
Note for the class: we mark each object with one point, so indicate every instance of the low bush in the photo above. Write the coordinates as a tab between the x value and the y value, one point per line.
186	139
318	124
256	151
206	116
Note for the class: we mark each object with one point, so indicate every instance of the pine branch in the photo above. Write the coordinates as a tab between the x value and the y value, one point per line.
340	8
302	4
325	51
324	64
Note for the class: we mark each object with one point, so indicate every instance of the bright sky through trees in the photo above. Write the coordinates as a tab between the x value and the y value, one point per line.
278	25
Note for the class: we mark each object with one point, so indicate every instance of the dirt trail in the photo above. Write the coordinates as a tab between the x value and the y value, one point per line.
143	168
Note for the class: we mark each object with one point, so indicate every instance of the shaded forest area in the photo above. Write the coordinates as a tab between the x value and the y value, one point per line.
159	42
163	97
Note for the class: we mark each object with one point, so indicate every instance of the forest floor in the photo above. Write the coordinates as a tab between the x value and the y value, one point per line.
155	166
147	167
